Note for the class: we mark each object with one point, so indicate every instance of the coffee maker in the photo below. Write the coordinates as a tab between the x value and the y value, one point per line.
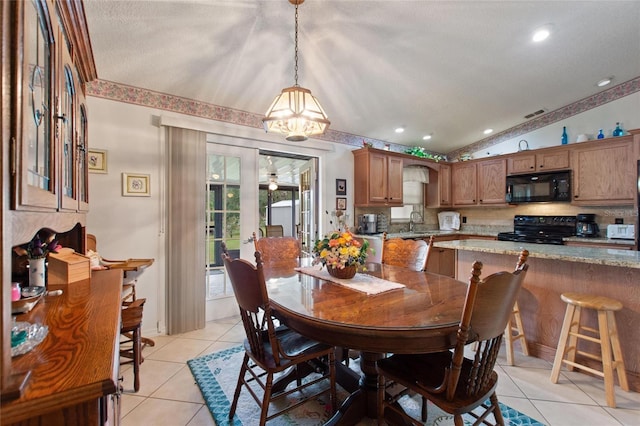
368	223
586	225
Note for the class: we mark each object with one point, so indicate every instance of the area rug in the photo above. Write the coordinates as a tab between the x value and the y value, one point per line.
216	375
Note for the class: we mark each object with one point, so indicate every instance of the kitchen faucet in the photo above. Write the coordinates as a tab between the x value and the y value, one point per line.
411	220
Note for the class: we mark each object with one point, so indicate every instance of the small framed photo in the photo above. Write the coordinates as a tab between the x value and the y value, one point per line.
341	203
341	187
135	185
97	161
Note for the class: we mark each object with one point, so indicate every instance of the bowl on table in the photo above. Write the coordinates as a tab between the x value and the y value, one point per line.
30	297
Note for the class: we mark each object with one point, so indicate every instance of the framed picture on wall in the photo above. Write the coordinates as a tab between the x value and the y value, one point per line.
341	187
97	161
341	203
135	185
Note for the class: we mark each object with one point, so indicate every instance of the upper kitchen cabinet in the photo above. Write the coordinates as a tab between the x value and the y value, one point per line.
464	184
479	182
377	178
539	161
604	172
492	181
439	188
50	64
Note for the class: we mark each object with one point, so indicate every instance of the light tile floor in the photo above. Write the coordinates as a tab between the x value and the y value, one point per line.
169	396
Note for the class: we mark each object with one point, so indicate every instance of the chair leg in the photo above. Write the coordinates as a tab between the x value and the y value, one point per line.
333	397
607	362
562	343
137	358
268	388
236	394
617	351
496	409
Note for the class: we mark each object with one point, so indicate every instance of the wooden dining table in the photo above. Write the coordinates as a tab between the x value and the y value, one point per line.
422	317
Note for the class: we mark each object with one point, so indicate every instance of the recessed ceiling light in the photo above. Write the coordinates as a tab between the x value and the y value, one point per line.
541	33
399	129
488	131
426	137
604	81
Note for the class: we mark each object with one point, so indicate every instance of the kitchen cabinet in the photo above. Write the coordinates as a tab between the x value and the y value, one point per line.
438	193
41	112
492	181
604	172
442	260
464	185
538	161
377	178
479	183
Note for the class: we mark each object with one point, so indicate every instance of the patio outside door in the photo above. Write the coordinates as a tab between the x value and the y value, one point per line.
231	185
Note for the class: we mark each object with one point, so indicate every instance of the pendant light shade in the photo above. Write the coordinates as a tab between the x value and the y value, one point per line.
296	112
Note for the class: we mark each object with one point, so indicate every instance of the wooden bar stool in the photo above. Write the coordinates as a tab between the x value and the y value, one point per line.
515	331
606	335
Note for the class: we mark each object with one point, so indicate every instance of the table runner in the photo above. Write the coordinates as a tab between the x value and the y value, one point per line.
364	283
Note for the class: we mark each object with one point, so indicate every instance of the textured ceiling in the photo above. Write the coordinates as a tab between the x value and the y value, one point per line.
446	68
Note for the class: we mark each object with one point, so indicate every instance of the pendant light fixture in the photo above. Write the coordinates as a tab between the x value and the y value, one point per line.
296	112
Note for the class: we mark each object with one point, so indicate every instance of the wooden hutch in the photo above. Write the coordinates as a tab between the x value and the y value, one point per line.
46	63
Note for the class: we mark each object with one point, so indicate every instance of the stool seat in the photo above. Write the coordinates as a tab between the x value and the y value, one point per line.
588	301
605	335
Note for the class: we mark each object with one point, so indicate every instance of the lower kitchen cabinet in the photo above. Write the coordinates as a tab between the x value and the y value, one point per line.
442	261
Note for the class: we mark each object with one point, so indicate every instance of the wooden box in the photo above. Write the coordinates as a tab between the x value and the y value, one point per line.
67	266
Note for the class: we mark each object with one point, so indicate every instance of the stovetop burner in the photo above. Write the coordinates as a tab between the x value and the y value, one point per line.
540	229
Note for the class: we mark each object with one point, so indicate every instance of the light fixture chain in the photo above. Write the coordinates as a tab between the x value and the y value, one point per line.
296	49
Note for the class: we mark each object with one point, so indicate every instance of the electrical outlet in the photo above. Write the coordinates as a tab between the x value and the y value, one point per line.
464	219
619	220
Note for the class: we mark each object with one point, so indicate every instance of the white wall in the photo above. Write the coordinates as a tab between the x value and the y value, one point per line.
134	227
625	110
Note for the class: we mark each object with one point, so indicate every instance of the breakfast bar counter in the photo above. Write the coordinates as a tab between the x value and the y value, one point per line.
556	269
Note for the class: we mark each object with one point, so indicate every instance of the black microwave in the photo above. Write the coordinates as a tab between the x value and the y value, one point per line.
539	187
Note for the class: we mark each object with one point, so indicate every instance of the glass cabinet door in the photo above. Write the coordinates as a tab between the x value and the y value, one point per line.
65	124
35	180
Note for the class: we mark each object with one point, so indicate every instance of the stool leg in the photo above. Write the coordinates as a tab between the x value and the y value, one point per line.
574	329
508	341
607	368
617	351
521	335
562	343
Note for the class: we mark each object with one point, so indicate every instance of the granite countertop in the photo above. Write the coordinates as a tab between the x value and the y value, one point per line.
592	255
600	241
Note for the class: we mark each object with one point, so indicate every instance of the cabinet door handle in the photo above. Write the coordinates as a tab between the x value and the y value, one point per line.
534	167
541	166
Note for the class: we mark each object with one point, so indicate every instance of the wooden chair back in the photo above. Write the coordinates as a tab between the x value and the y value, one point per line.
411	254
277	249
274	231
487	309
250	290
92	244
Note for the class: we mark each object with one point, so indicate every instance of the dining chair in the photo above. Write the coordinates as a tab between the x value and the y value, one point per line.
411	254
130	328
274	231
270	350
277	249
453	382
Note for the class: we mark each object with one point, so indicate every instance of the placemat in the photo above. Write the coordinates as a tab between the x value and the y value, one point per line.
363	283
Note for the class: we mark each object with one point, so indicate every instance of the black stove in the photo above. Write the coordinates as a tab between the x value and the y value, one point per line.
540	229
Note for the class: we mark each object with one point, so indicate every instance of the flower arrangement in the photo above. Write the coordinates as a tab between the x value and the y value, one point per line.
39	247
340	249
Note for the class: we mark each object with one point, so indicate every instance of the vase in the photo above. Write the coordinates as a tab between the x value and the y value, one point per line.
36	272
346	273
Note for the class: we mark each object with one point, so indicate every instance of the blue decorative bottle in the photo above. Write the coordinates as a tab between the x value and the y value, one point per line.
565	138
618	130
600	135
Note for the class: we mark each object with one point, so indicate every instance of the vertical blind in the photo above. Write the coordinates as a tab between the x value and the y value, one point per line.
186	201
